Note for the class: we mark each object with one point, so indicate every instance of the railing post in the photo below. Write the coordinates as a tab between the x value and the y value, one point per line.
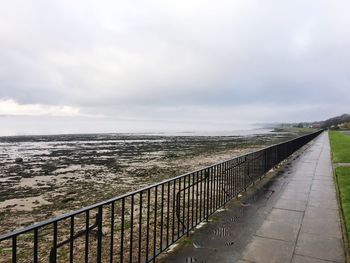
14	249
207	208
99	235
245	175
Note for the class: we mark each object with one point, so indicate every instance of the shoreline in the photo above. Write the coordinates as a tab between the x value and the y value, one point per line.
51	188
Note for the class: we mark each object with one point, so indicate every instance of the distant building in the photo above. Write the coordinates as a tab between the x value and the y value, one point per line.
316	126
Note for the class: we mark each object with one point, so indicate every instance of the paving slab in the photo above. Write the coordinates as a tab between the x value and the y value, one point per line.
286	216
327	215
321	227
266	250
294	205
291	195
303	259
279	230
316	246
323	203
322	195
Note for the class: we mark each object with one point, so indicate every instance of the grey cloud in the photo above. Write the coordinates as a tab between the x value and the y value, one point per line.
110	57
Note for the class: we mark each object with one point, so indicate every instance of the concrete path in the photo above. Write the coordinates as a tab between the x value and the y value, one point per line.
294	218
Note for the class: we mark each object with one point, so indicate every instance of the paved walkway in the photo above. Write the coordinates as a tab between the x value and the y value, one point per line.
294	218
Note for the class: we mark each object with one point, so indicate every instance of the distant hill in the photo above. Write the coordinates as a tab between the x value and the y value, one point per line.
335	121
343	121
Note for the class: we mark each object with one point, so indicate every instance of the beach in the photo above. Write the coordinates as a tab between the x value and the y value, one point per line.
44	176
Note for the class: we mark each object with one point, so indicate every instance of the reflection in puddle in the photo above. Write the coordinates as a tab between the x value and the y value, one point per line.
237	215
222	232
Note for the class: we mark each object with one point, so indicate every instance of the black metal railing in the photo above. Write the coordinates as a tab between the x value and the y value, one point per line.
138	226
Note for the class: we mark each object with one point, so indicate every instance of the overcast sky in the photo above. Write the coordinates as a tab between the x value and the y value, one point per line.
86	66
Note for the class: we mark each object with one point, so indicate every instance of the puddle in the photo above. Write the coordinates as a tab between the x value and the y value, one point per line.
231	243
222	232
190	259
237	216
262	194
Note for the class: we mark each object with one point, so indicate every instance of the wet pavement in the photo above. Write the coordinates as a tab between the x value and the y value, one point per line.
292	218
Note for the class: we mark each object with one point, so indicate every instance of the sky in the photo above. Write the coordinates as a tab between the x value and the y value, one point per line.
163	65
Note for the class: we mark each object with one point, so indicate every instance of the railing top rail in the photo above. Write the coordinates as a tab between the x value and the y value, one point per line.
117	198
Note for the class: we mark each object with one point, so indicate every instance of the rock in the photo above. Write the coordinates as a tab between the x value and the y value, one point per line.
66	200
19	160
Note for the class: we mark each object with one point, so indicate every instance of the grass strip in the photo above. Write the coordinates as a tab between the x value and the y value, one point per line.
340	144
343	176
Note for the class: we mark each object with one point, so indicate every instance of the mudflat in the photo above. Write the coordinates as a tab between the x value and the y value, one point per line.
43	176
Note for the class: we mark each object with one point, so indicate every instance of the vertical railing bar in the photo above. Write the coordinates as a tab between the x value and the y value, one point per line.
227	182
71	245
242	176
53	256
230	174
218	185
222	185
245	173
112	234
122	232
197	196
253	167
238	178
131	227
227	173
213	200
178	208
192	208
99	234
147	226
155	222
188	205
218	192
211	190
233	178
183	205
201	196
87	217
36	241
140	228
161	218
239	174
173	223
207	193
234	170
213	183
14	249
168	214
